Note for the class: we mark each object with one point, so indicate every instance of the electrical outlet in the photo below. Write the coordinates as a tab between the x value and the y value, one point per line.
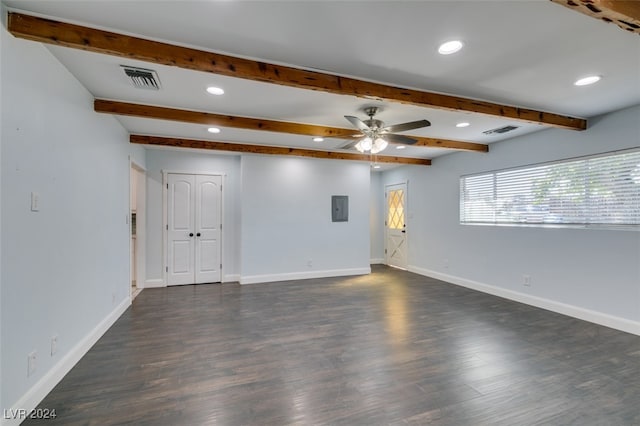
446	264
526	280
310	263
31	363
113	298
54	345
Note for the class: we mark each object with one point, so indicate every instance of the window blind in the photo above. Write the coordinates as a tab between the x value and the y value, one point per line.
596	190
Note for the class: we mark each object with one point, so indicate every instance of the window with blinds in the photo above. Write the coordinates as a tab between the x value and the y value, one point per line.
596	190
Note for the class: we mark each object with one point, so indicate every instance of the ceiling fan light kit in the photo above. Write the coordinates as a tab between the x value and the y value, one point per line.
379	145
366	145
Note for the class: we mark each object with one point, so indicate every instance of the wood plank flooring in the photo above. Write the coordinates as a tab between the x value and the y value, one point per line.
391	348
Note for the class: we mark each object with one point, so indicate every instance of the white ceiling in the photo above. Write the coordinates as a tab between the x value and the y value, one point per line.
524	53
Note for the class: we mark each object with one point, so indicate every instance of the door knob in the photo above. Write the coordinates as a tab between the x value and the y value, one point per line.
198	234
191	234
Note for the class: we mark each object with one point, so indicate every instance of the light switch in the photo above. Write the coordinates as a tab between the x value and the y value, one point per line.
35	202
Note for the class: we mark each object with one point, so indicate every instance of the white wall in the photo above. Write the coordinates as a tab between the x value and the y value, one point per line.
2	13
285	204
376	218
592	274
286	218
158	160
65	268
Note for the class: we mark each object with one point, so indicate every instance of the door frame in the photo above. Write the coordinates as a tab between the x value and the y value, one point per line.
165	219
406	220
141	224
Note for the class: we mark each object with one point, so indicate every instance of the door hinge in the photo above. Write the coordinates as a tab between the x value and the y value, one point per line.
167	227
221	227
166	269
385	251
167	186
221	266
220	188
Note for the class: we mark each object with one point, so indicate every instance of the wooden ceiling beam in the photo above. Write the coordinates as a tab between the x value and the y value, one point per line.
625	14
110	43
449	144
271	150
210	119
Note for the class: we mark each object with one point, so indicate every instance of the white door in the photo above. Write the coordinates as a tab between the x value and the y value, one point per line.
193	228
208	221
395	225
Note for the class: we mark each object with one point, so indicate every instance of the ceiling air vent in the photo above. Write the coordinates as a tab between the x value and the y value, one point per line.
142	78
499	130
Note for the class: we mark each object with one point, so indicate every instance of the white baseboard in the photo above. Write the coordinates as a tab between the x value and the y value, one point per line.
255	279
600	318
231	278
42	387
159	282
376	261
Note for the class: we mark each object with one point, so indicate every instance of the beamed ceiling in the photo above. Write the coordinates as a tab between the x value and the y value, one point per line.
292	70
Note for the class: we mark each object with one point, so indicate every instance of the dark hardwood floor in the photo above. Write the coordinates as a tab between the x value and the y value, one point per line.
389	348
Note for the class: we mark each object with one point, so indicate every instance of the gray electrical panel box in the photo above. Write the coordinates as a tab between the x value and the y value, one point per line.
339	208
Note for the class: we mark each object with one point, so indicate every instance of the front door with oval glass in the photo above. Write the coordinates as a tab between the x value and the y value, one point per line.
193	228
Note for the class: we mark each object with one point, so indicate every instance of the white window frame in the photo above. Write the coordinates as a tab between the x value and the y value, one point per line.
495	210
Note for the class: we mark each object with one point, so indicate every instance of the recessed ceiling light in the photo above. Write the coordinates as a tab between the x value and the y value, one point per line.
462	124
318	139
376	166
400	147
215	90
587	80
213	130
450	47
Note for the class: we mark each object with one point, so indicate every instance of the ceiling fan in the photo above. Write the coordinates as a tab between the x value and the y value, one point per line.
377	136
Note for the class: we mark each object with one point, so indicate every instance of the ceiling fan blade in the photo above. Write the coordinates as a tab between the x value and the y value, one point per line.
403	127
400	139
357	123
349	144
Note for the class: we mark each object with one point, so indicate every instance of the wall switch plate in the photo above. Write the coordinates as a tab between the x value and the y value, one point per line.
54	345
526	280
35	202
31	363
